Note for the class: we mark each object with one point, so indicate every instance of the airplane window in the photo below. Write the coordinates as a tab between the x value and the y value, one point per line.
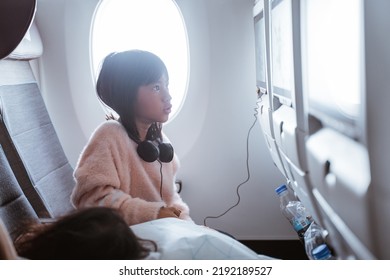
152	25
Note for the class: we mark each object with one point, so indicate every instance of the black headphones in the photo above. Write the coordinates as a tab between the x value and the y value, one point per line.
149	152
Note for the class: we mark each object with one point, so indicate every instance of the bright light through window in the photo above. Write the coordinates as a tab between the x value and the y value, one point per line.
152	25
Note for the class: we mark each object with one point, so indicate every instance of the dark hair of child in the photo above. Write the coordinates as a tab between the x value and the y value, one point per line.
97	233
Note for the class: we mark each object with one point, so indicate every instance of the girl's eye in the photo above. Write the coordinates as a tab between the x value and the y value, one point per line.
157	88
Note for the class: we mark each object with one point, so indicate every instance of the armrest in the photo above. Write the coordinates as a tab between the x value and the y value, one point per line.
179	185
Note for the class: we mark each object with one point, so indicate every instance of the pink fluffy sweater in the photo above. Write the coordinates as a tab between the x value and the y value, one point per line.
110	173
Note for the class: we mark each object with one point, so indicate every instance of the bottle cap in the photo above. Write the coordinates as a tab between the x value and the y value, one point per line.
321	252
280	189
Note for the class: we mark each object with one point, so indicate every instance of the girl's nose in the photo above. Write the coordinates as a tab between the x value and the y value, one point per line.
167	96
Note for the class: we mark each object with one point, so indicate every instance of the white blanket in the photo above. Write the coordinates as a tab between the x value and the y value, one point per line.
177	239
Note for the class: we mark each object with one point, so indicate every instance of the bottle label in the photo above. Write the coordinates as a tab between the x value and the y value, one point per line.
300	224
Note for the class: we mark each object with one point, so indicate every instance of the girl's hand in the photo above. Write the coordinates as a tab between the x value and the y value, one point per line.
168	212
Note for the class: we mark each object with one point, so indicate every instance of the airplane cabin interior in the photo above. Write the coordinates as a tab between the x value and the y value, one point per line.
320	85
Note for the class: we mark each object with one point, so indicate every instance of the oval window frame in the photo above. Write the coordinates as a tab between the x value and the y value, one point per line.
179	94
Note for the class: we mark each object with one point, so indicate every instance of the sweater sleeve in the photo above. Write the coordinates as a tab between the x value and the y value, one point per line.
103	179
178	203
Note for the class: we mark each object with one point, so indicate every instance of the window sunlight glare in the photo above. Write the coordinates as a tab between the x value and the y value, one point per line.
152	25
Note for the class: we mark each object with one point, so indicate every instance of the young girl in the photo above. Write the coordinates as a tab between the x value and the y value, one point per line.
128	163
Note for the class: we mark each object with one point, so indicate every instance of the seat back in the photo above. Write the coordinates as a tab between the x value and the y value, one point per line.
29	138
14	206
13	25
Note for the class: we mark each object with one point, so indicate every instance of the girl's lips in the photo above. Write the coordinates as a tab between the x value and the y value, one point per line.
168	109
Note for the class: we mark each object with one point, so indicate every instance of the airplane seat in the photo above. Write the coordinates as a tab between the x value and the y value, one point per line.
14	206
27	134
14	25
318	115
282	116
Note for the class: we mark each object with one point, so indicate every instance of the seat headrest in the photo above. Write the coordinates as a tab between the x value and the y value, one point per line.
15	19
30	47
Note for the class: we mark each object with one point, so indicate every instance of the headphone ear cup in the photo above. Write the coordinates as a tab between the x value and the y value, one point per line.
148	151
166	152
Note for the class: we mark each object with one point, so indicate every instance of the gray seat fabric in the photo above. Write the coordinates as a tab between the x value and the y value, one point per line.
20	172
14	206
27	134
24	116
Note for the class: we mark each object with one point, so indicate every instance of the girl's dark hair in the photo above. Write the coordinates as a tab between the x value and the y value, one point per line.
97	233
120	77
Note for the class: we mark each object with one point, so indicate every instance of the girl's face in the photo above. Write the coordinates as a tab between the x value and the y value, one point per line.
154	102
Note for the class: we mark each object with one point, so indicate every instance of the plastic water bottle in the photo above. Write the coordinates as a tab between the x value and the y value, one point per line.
322	252
314	237
294	211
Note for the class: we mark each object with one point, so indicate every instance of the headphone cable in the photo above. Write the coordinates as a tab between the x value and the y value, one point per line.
161	180
247	168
